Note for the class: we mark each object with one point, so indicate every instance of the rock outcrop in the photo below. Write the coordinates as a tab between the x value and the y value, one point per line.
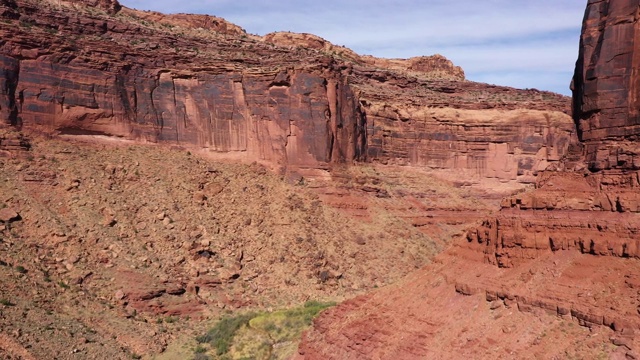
504	144
225	112
590	204
426	67
120	77
294	101
607	86
482	130
111	6
568	249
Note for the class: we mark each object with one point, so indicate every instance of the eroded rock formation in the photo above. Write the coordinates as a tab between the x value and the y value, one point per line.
291	100
606	85
568	249
225	112
119	77
590	204
111	6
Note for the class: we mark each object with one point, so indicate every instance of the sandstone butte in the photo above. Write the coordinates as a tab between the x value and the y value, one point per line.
307	109
566	252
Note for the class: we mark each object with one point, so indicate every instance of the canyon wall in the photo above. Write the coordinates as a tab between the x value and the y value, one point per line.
607	85
295	101
500	144
294	118
564	252
591	203
286	116
421	112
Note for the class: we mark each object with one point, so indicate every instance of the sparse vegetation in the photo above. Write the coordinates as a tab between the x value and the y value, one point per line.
251	334
221	335
6	302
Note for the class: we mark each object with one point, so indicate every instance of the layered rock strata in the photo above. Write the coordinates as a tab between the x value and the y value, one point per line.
568	249
295	101
98	74
590	203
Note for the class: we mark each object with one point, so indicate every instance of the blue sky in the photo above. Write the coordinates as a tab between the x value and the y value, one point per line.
519	43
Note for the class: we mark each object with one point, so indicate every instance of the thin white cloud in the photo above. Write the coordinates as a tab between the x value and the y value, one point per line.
538	39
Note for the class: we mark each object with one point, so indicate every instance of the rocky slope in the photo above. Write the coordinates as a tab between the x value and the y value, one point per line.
563	254
111	249
107	252
293	101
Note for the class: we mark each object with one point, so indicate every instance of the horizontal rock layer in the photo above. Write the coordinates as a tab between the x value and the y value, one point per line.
292	100
595	215
568	249
459	307
501	144
292	118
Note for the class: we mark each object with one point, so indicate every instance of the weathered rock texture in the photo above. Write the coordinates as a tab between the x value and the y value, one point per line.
426	67
500	144
595	214
111	6
123	78
292	100
569	248
607	85
591	203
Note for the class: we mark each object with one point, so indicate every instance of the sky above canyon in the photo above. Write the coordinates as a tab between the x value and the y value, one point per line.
519	43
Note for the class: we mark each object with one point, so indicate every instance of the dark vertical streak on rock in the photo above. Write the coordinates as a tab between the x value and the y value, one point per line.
157	119
123	96
14	119
9	78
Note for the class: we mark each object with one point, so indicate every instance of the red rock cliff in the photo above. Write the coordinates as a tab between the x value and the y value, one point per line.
84	72
593	210
568	249
294	100
607	84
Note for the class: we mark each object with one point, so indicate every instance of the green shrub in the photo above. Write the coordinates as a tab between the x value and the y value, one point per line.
6	302
221	336
252	334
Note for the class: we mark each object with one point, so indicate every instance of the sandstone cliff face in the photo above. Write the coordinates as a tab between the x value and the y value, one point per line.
481	130
606	84
294	118
421	112
568	249
292	100
109	81
591	210
500	144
